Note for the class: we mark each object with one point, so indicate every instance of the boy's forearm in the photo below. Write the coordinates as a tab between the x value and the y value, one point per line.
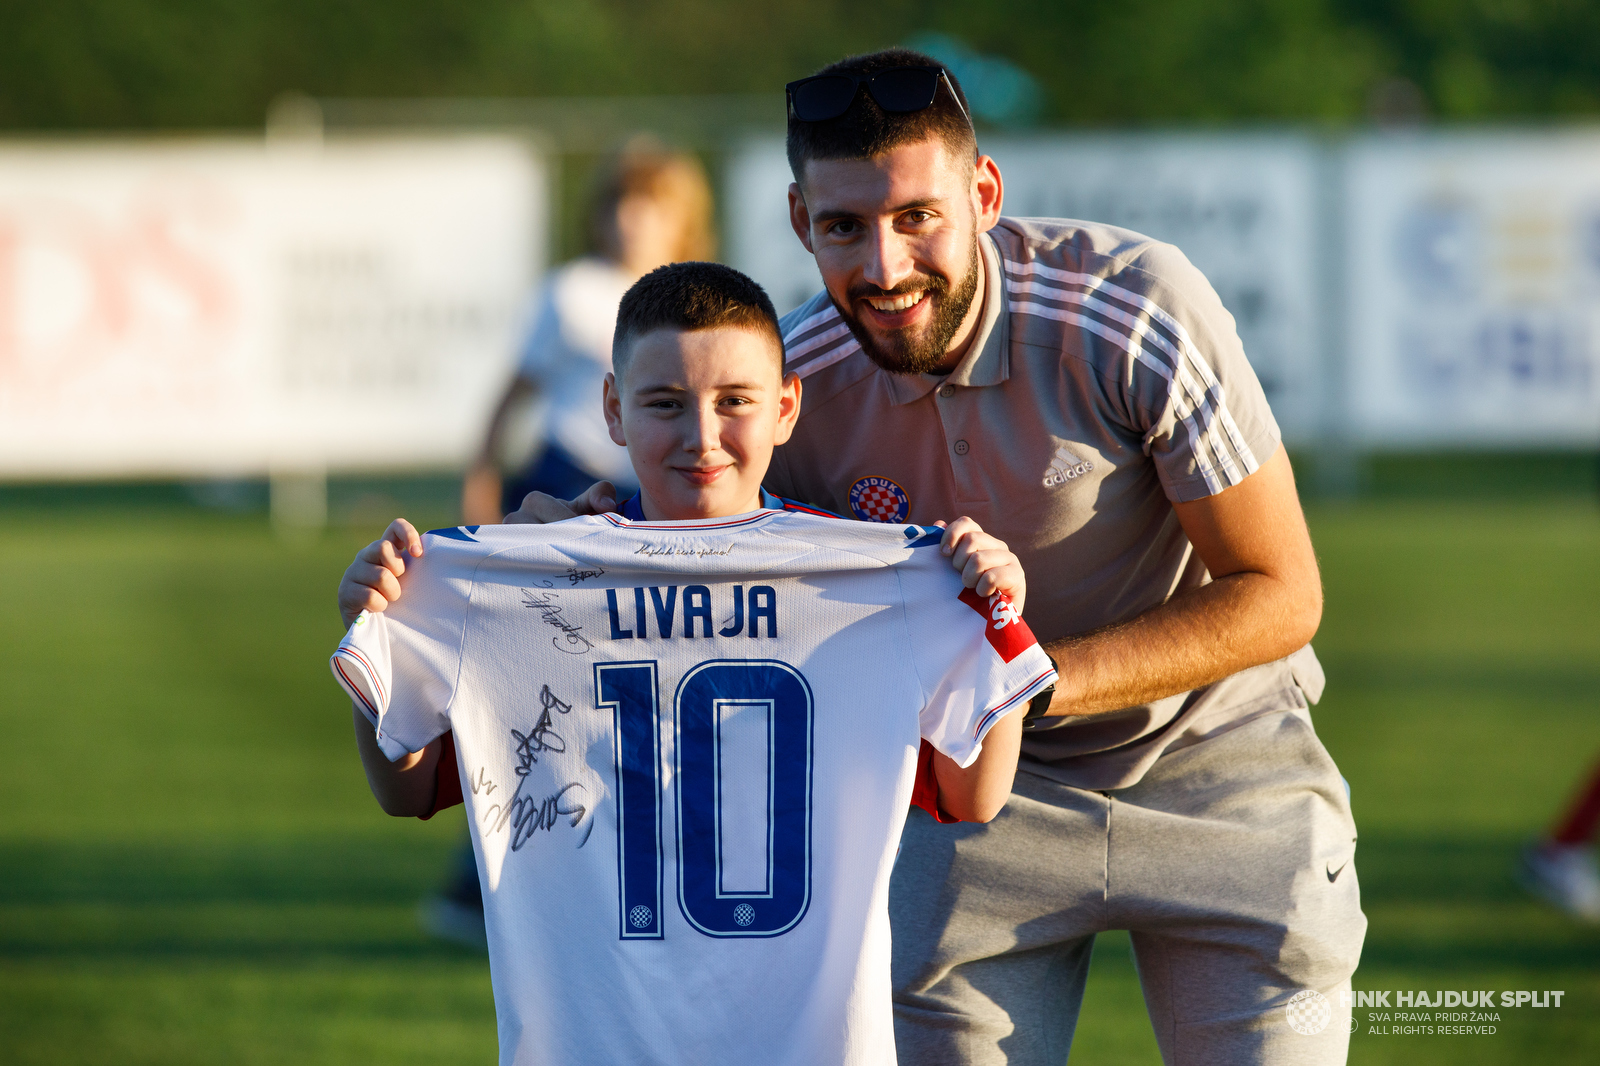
404	788
977	793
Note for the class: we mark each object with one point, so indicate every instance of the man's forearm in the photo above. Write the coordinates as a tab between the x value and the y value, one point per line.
1196	638
1265	602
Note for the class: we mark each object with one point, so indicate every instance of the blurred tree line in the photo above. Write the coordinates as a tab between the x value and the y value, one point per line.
131	64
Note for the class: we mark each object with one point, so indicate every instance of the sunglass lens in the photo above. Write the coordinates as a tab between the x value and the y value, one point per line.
822	98
904	88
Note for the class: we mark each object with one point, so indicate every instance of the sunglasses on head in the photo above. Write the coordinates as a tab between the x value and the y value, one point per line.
898	89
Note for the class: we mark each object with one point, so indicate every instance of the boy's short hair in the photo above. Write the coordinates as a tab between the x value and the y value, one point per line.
866	130
693	297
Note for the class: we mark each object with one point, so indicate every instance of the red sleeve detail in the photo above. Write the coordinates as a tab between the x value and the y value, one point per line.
925	793
447	787
1008	634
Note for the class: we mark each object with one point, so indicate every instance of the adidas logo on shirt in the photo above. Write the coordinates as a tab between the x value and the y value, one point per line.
1064	467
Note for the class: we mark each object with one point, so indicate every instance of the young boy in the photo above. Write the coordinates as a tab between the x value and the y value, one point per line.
689	732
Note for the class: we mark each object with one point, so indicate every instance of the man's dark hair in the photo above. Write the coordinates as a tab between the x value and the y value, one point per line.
866	130
692	297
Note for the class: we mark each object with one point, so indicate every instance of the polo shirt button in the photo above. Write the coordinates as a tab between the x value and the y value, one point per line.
947	391
962	447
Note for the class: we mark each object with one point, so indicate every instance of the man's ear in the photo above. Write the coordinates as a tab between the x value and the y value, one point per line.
989	192
800	216
611	399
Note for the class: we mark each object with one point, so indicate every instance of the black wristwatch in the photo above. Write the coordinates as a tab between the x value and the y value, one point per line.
1041	700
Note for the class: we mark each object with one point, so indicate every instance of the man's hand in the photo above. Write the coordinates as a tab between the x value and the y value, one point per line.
987	566
540	510
372	582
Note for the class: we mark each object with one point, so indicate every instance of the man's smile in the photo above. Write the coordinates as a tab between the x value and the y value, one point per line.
893	312
896	303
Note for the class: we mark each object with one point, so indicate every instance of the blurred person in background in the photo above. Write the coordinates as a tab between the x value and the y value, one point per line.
651	208
1560	868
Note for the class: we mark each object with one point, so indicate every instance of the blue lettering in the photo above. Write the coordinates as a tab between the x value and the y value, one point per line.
617	632
763	604
664	613
696	604
760	601
738	614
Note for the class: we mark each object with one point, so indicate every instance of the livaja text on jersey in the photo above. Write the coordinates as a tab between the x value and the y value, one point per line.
742	611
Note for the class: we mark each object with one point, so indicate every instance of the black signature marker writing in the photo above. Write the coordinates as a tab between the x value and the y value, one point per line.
572	641
527	816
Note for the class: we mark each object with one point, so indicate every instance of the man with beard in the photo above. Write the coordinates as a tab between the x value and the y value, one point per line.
1082	393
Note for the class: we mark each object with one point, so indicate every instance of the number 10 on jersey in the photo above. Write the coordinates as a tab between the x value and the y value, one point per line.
742	734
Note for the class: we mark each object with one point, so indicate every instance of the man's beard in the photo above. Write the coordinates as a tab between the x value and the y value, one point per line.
900	352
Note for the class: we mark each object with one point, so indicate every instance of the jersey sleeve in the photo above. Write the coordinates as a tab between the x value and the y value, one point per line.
1192	392
975	658
401	667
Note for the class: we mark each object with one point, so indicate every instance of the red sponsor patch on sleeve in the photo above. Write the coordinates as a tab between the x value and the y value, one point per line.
1008	634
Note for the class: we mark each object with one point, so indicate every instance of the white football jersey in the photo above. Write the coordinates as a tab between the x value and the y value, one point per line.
687	750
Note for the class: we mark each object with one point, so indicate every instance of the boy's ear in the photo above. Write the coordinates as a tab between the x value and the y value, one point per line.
788	408
611	399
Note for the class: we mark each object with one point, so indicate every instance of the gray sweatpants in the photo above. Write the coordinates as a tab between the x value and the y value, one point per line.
1230	864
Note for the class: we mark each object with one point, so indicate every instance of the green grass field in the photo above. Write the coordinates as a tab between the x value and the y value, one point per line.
191	870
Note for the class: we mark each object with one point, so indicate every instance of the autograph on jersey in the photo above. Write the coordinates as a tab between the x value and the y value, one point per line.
572	641
527	815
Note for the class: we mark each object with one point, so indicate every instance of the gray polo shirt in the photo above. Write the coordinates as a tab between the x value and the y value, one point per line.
1106	381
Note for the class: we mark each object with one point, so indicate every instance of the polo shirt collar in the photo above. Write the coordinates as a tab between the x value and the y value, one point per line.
988	360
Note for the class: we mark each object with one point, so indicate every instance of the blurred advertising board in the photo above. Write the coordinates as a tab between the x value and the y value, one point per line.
1473	265
1243	207
231	306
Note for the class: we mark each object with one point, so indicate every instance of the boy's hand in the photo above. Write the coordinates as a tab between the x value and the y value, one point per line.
987	566
373	581
540	510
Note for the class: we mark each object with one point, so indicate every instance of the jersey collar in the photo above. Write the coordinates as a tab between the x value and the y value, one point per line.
988	360
633	510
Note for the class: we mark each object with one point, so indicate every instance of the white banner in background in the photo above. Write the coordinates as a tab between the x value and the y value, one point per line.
228	307
1474	269
1242	207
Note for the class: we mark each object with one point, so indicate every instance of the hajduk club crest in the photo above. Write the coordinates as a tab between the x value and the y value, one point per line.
877	499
